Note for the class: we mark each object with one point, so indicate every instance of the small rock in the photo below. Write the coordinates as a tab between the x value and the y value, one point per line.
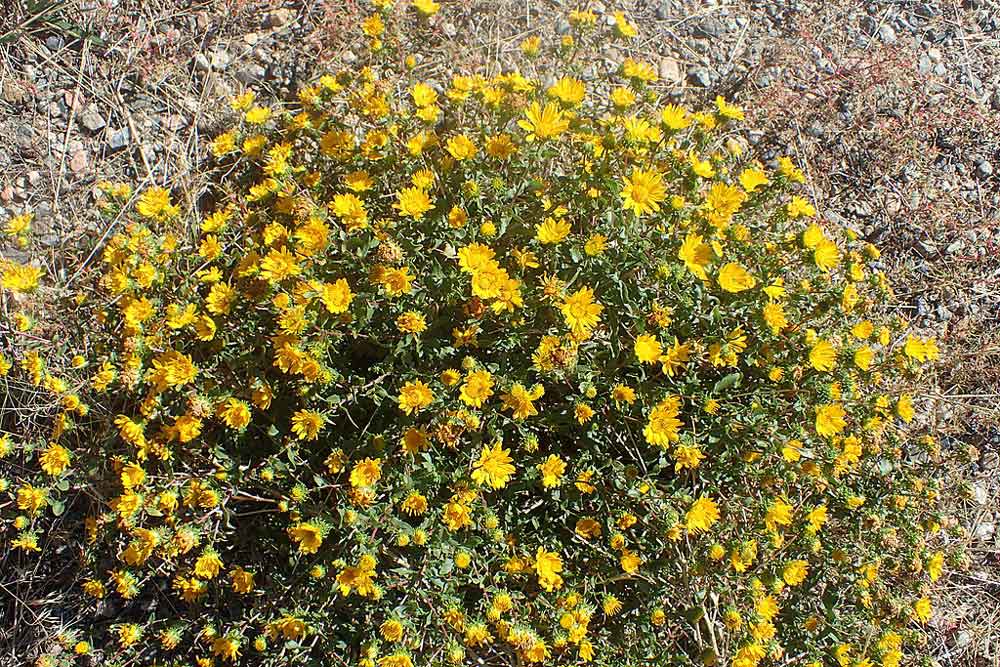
91	119
710	28
980	494
278	18
984	168
119	139
201	62
985	531
700	77
13	92
34	177
449	29
54	43
563	27
79	162
221	60
671	71
887	34
250	74
955	246
24	137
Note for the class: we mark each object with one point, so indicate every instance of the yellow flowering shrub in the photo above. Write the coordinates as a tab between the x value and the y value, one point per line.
482	372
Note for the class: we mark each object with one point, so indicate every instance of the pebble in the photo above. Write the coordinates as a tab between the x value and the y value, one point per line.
119	138
91	119
984	168
700	77
278	18
250	74
671	71
79	162
13	92
887	34
985	531
201	62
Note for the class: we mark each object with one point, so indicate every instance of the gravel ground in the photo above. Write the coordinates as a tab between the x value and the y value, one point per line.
891	106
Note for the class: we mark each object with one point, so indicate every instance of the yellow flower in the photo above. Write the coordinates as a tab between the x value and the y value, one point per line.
702	515
279	265
426	7
800	207
826	255
675	117
734	278
548	565
830	419
595	245
307	535
922	610
552	470
647	349
774	317
336	296
623	27
242	580
155	203
904	408
477	388
823	356
753	178
727	110
695	254
643	191
581	312
414	396
257	115
568	90
863	357
663	426
306	424
494	466
794	573
521	400
19	277
552	231
543	123
55	459
413	203
366	472
461	147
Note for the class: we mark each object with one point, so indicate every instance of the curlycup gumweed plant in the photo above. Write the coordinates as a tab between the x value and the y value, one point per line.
491	372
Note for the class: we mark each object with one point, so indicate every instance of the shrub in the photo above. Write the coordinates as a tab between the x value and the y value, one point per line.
500	373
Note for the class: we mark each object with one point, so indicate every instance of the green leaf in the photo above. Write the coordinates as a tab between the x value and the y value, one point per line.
728	382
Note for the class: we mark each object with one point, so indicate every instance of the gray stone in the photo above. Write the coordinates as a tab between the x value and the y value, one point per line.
887	34
985	531
24	137
54	42
119	138
710	28
79	162
278	18
201	62
700	77
984	168
91	119
13	92
671	71
250	74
